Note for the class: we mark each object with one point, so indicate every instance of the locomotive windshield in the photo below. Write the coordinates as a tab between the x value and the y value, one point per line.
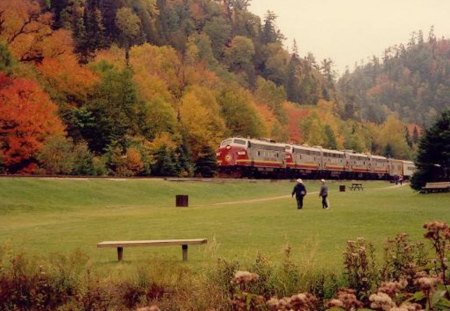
226	142
240	141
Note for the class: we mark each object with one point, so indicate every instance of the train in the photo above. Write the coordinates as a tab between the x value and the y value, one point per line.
257	158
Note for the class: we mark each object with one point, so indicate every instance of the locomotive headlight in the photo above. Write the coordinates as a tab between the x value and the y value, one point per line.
242	153
217	154
228	147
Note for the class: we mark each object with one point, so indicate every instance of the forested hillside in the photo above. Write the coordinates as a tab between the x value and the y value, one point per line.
411	80
150	87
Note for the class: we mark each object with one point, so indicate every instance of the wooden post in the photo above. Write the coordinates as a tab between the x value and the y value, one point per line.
119	253
184	249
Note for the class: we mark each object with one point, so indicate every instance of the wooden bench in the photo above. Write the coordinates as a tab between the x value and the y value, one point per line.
356	186
121	244
436	187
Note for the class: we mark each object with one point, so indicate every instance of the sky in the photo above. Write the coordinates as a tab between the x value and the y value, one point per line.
349	31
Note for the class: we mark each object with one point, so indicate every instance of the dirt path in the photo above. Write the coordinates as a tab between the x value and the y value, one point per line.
288	196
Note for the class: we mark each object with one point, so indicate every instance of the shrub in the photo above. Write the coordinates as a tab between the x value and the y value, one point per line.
359	265
402	260
56	156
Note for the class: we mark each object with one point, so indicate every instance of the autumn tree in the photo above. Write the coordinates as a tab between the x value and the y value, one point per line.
129	26
24	27
272	95
60	155
200	119
240	53
240	114
56	156
27	118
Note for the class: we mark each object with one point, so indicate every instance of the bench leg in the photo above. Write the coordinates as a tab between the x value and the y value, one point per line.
184	249
119	253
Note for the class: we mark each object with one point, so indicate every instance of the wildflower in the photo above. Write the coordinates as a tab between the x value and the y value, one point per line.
392	288
244	277
381	301
345	299
427	283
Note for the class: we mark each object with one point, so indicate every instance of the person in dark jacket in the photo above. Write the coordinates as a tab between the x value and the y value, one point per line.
299	191
324	194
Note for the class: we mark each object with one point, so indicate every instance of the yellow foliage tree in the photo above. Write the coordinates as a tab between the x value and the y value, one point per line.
200	119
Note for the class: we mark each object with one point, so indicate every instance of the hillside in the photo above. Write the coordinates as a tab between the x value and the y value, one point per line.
412	81
144	87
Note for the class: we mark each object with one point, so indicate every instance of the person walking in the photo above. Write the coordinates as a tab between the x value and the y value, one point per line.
300	192
324	194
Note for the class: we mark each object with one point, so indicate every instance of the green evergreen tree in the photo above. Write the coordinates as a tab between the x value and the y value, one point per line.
292	81
408	138
114	109
270	33
206	164
83	160
433	157
388	151
164	164
183	156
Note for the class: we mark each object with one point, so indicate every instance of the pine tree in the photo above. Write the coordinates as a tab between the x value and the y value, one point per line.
164	164
433	157
183	155
270	33
292	81
408	138
206	164
388	151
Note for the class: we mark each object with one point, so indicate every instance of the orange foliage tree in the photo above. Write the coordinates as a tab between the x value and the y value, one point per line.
24	27
27	30
27	118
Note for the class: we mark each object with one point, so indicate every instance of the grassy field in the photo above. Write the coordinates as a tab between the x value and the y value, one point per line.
239	218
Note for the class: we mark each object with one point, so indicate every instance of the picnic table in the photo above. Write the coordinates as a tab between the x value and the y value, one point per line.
356	186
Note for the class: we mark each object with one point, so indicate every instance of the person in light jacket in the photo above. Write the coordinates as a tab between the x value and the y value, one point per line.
300	192
324	194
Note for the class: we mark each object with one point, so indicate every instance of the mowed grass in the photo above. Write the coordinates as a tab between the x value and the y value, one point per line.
239	218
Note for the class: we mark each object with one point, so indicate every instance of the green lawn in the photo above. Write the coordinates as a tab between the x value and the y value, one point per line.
45	216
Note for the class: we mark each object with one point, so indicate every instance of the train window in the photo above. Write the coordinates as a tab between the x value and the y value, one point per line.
240	141
259	153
